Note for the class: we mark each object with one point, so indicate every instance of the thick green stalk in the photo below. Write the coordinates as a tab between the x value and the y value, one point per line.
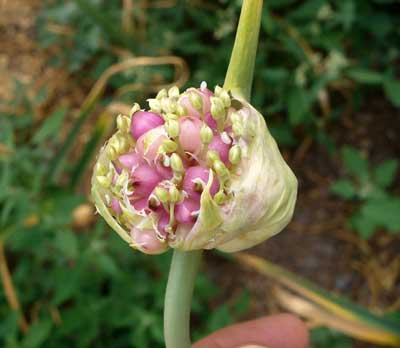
178	298
239	77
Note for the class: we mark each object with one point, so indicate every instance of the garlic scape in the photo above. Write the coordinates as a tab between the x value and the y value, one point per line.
198	170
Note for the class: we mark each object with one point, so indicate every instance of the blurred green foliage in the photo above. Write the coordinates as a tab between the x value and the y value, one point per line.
82	288
324	338
369	185
311	53
78	287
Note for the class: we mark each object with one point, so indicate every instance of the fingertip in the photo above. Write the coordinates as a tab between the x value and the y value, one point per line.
297	328
277	331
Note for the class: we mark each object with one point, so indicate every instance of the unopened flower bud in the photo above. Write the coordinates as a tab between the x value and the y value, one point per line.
181	110
235	154
206	134
103	181
135	107
212	156
162	195
223	95
172	128
168	105
168	146
155	105
220	197
217	108
100	169
174	194
173	92
196	101
112	152
176	163
221	170
237	130
123	123
171	116
162	94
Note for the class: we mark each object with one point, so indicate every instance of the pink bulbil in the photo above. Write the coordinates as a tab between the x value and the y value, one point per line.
191	183
147	241
189	137
130	160
143	121
185	211
222	148
115	206
145	179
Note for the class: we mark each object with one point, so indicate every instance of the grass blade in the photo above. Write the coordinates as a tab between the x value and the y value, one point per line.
382	330
103	126
181	76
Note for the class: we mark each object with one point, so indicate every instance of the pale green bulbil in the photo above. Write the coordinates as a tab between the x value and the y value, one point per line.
264	193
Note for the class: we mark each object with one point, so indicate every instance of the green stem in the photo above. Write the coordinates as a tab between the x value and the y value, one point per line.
178	298
239	77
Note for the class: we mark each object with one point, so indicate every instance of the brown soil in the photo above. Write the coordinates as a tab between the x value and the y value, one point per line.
317	244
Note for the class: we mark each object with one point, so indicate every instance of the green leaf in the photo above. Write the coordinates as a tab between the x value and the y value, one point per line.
307	9
297	106
279	3
385	173
283	134
360	322
67	285
274	74
107	264
322	337
67	243
364	226
369	77
37	334
344	188
355	163
219	318
384	212
51	127
392	90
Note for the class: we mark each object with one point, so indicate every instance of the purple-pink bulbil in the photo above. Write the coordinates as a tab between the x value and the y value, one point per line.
145	179
187	211
143	121
147	241
196	178
189	137
222	144
164	171
197	170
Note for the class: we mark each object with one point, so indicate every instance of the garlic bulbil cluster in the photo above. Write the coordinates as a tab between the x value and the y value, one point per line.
197	170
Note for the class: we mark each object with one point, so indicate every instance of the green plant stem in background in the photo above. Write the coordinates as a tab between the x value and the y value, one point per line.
178	298
239	77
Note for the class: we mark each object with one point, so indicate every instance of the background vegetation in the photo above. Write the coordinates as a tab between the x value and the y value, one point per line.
327	79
